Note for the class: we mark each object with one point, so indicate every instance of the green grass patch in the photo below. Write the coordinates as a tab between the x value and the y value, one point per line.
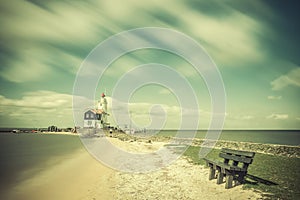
277	176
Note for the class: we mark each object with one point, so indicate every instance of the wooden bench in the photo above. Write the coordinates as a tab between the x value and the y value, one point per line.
234	166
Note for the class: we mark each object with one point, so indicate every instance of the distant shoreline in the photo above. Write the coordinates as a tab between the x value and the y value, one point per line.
8	129
59	133
285	138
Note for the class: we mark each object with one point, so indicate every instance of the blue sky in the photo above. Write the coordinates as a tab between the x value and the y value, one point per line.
255	45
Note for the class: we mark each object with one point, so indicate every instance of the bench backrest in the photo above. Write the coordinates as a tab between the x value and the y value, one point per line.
234	157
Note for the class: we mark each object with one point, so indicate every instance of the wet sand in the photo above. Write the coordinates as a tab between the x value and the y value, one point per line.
80	177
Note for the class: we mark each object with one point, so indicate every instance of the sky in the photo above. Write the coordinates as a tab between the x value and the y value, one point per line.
254	45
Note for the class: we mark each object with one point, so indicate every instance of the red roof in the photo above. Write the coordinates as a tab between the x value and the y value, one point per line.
97	111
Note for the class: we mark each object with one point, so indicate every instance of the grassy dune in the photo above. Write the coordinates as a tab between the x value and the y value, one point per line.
277	176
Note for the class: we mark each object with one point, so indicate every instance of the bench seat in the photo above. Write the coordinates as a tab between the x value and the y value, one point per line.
234	166
216	163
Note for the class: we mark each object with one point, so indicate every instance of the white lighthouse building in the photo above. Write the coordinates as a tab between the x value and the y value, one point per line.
103	103
102	107
97	118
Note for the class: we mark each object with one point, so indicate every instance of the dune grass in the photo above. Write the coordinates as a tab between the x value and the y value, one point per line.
277	177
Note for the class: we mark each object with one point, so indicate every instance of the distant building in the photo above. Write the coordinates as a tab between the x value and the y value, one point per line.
52	129
97	118
94	118
91	118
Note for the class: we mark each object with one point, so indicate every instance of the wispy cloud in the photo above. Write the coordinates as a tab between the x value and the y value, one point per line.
291	78
38	62
239	117
39	108
232	40
40	38
39	99
144	113
278	116
274	97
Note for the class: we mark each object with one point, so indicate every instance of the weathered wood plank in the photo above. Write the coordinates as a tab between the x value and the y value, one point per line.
239	152
228	183
212	173
220	177
224	165
236	158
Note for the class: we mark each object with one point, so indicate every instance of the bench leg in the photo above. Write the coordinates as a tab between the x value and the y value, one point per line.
241	178
229	179
212	173
220	177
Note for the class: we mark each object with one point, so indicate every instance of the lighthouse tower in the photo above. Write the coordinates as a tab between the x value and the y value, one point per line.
103	103
102	107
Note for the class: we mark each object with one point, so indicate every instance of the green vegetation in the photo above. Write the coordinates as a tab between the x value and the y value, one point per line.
276	176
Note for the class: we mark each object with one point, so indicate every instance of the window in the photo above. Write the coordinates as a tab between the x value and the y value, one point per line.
92	116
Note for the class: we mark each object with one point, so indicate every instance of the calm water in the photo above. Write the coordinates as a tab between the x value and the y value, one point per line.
24	155
261	136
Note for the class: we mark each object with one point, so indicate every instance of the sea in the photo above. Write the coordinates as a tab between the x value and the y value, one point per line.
23	155
283	137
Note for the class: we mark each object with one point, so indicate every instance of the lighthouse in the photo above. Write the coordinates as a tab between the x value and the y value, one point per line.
95	118
102	107
103	103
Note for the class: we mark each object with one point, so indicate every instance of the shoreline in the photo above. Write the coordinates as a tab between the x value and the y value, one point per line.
58	133
264	148
78	177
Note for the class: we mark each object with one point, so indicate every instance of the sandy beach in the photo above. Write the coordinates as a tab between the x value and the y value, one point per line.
84	178
180	180
59	133
79	177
